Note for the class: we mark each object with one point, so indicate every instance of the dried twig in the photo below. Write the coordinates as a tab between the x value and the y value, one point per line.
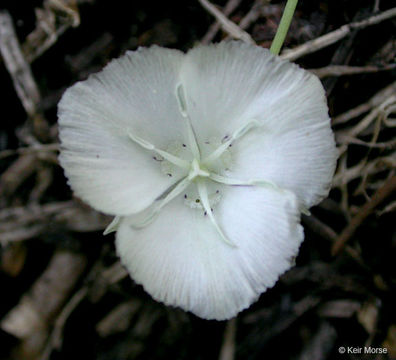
342	308
341	70
383	193
44	177
231	28
55	339
321	344
23	223
320	228
215	27
375	101
227	351
17	66
253	14
368	119
328	234
336	35
379	164
29	150
119	318
345	139
15	175
31	318
47	29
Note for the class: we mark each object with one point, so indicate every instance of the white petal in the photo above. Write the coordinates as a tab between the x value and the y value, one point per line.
295	147
301	159
228	83
132	94
181	260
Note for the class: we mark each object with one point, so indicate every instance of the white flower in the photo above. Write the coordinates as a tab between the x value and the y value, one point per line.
207	160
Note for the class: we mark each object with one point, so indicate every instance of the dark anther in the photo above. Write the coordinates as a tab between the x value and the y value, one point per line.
205	213
217	191
169	174
185	196
156	159
197	200
184	145
207	142
211	209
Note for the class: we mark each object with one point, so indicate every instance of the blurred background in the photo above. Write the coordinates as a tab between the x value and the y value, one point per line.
64	293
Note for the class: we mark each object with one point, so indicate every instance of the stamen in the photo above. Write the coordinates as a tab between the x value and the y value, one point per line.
150	214
252	182
181	99
226	144
149	146
113	226
203	194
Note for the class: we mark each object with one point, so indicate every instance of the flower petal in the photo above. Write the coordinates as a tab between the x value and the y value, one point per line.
133	94
231	83
228	83
181	260
301	159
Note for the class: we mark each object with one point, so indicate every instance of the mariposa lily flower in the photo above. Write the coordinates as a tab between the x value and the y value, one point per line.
207	160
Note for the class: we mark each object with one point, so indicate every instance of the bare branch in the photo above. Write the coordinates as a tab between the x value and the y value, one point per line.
336	35
231	28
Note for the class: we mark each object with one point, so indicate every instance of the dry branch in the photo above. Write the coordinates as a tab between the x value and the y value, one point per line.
368	119
254	13
29	150
215	27
118	319
231	28
55	339
23	223
341	70
15	175
31	318
380	97
48	29
17	66
378	165
382	194
227	351
336	35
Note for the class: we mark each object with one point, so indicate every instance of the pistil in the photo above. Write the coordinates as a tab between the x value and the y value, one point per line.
199	171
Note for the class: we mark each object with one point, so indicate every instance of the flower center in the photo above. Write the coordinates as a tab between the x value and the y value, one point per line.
197	171
198	175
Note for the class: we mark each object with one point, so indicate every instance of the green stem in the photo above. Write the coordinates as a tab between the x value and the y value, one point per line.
283	27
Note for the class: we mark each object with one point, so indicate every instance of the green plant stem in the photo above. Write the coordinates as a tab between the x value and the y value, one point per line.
283	27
